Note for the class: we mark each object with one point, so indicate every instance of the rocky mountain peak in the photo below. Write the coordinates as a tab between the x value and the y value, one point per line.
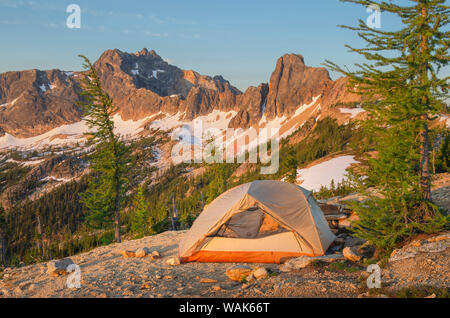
293	84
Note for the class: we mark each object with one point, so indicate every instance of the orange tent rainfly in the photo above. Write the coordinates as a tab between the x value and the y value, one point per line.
258	222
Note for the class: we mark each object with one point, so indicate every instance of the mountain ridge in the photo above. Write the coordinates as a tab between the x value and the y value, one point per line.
142	84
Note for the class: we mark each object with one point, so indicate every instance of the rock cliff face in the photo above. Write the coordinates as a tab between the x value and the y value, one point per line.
143	84
33	102
293	84
252	106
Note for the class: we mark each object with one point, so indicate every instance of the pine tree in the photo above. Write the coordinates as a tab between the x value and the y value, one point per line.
139	217
106	189
290	164
218	185
403	93
3	236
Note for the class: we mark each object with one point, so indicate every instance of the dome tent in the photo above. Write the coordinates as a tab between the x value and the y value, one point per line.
258	222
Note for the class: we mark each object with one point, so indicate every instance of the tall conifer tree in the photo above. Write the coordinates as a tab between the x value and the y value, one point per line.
106	189
139	217
3	236
404	93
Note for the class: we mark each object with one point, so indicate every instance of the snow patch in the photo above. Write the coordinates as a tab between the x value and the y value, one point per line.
128	127
10	103
352	111
155	73
32	162
71	133
51	178
323	173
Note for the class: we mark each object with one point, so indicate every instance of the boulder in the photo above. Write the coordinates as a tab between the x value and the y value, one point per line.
239	272
330	209
351	254
58	267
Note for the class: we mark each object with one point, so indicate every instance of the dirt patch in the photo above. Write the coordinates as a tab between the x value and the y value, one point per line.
106	273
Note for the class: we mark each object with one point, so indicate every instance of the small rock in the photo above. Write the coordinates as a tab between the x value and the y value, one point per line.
431	296
207	281
216	288
141	252
156	254
174	261
169	277
256	290
351	254
249	278
59	267
145	286
128	254
260	272
238	272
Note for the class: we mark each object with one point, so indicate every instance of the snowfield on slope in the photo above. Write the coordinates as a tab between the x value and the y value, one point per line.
70	134
313	178
352	111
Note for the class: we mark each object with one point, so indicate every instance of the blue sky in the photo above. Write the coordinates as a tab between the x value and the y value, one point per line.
240	40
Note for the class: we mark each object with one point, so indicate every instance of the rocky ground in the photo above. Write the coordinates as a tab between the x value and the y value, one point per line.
105	272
